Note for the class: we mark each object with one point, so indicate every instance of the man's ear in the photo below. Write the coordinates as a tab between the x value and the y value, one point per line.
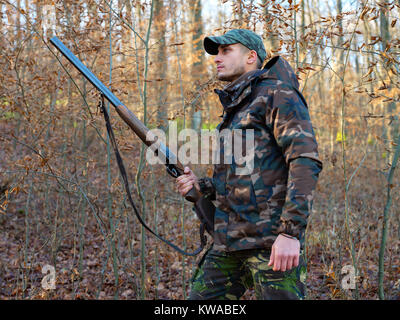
252	57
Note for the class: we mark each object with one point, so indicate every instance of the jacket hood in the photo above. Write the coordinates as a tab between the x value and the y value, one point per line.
277	68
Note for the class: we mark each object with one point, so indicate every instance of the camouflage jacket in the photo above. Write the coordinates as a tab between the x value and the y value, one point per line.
276	195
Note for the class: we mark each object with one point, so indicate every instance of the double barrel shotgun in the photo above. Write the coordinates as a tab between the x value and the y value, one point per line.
203	207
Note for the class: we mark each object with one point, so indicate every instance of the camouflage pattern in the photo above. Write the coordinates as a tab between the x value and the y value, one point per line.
227	276
276	197
246	37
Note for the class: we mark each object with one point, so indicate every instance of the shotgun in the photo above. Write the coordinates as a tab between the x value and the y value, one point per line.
173	166
203	207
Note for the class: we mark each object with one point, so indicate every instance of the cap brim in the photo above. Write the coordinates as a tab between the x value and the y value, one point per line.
211	44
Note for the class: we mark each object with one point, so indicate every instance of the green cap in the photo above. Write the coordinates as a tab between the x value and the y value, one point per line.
246	37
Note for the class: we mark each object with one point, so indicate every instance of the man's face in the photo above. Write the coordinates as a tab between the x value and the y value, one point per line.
231	61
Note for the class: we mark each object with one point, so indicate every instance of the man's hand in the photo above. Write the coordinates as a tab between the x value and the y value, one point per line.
285	254
186	181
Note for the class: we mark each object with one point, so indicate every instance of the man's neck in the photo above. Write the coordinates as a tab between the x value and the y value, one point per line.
240	78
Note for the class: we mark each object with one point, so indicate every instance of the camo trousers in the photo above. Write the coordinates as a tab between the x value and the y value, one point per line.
227	275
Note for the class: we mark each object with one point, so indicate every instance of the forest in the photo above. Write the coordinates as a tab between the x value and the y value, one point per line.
67	229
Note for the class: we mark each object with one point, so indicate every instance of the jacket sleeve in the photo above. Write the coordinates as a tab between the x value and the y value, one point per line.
302	180
291	125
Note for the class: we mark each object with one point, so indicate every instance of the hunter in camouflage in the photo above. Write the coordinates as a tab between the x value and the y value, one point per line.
256	214
252	210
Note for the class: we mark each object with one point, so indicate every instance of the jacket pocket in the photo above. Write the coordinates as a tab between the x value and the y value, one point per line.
240	194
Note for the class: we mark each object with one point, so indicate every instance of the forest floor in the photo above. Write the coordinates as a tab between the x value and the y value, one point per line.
22	279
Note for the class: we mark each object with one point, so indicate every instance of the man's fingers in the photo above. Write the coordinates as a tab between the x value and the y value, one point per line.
187	174
289	263
277	261
271	257
277	264
296	261
284	261
184	181
187	184
186	190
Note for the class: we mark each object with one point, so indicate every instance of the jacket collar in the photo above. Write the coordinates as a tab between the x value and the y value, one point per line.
235	92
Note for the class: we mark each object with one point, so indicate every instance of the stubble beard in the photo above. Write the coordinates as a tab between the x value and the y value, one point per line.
236	73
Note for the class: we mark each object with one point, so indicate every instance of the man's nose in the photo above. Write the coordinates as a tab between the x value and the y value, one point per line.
217	58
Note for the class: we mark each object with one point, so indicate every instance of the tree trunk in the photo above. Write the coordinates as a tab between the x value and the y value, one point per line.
392	138
272	43
198	59
391	109
161	86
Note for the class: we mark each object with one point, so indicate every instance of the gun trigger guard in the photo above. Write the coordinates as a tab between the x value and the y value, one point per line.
172	171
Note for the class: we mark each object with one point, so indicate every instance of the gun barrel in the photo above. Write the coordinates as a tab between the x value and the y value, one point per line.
134	123
174	167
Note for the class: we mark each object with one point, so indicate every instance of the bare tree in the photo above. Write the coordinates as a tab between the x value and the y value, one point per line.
160	21
197	69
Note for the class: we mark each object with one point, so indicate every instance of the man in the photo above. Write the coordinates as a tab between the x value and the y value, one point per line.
260	218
